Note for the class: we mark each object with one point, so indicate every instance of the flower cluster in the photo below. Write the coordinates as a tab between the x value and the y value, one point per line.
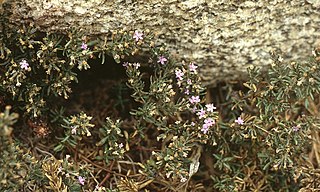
189	82
208	115
207	124
194	99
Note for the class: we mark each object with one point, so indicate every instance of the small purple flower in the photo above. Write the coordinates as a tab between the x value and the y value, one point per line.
210	107
84	46
207	124
189	82
137	35
81	180
179	74
162	60
201	113
295	128
193	124
194	99
193	67
24	65
120	145
187	92
125	64
239	121
205	129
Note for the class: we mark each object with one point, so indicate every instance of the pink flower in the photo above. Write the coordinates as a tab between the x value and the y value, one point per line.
137	35
187	92
210	121
295	128
125	64
162	60
210	107
24	65
179	74
84	46
193	67
81	180
239	121
205	129
194	99
207	124
201	113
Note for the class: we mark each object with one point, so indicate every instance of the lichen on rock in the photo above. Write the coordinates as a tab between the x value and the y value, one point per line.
223	37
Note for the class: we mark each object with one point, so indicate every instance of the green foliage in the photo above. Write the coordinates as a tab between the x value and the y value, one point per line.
75	127
277	130
257	138
19	170
110	136
7	119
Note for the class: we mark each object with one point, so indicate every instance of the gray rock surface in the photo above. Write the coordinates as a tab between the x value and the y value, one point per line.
223	37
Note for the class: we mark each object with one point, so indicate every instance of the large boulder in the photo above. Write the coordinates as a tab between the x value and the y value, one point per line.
222	36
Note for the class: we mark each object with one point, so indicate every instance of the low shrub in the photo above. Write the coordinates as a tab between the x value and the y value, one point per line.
261	135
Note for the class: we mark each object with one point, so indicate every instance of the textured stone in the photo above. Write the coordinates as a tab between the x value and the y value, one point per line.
222	36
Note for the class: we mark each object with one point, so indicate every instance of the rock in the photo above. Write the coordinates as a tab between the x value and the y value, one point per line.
223	37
